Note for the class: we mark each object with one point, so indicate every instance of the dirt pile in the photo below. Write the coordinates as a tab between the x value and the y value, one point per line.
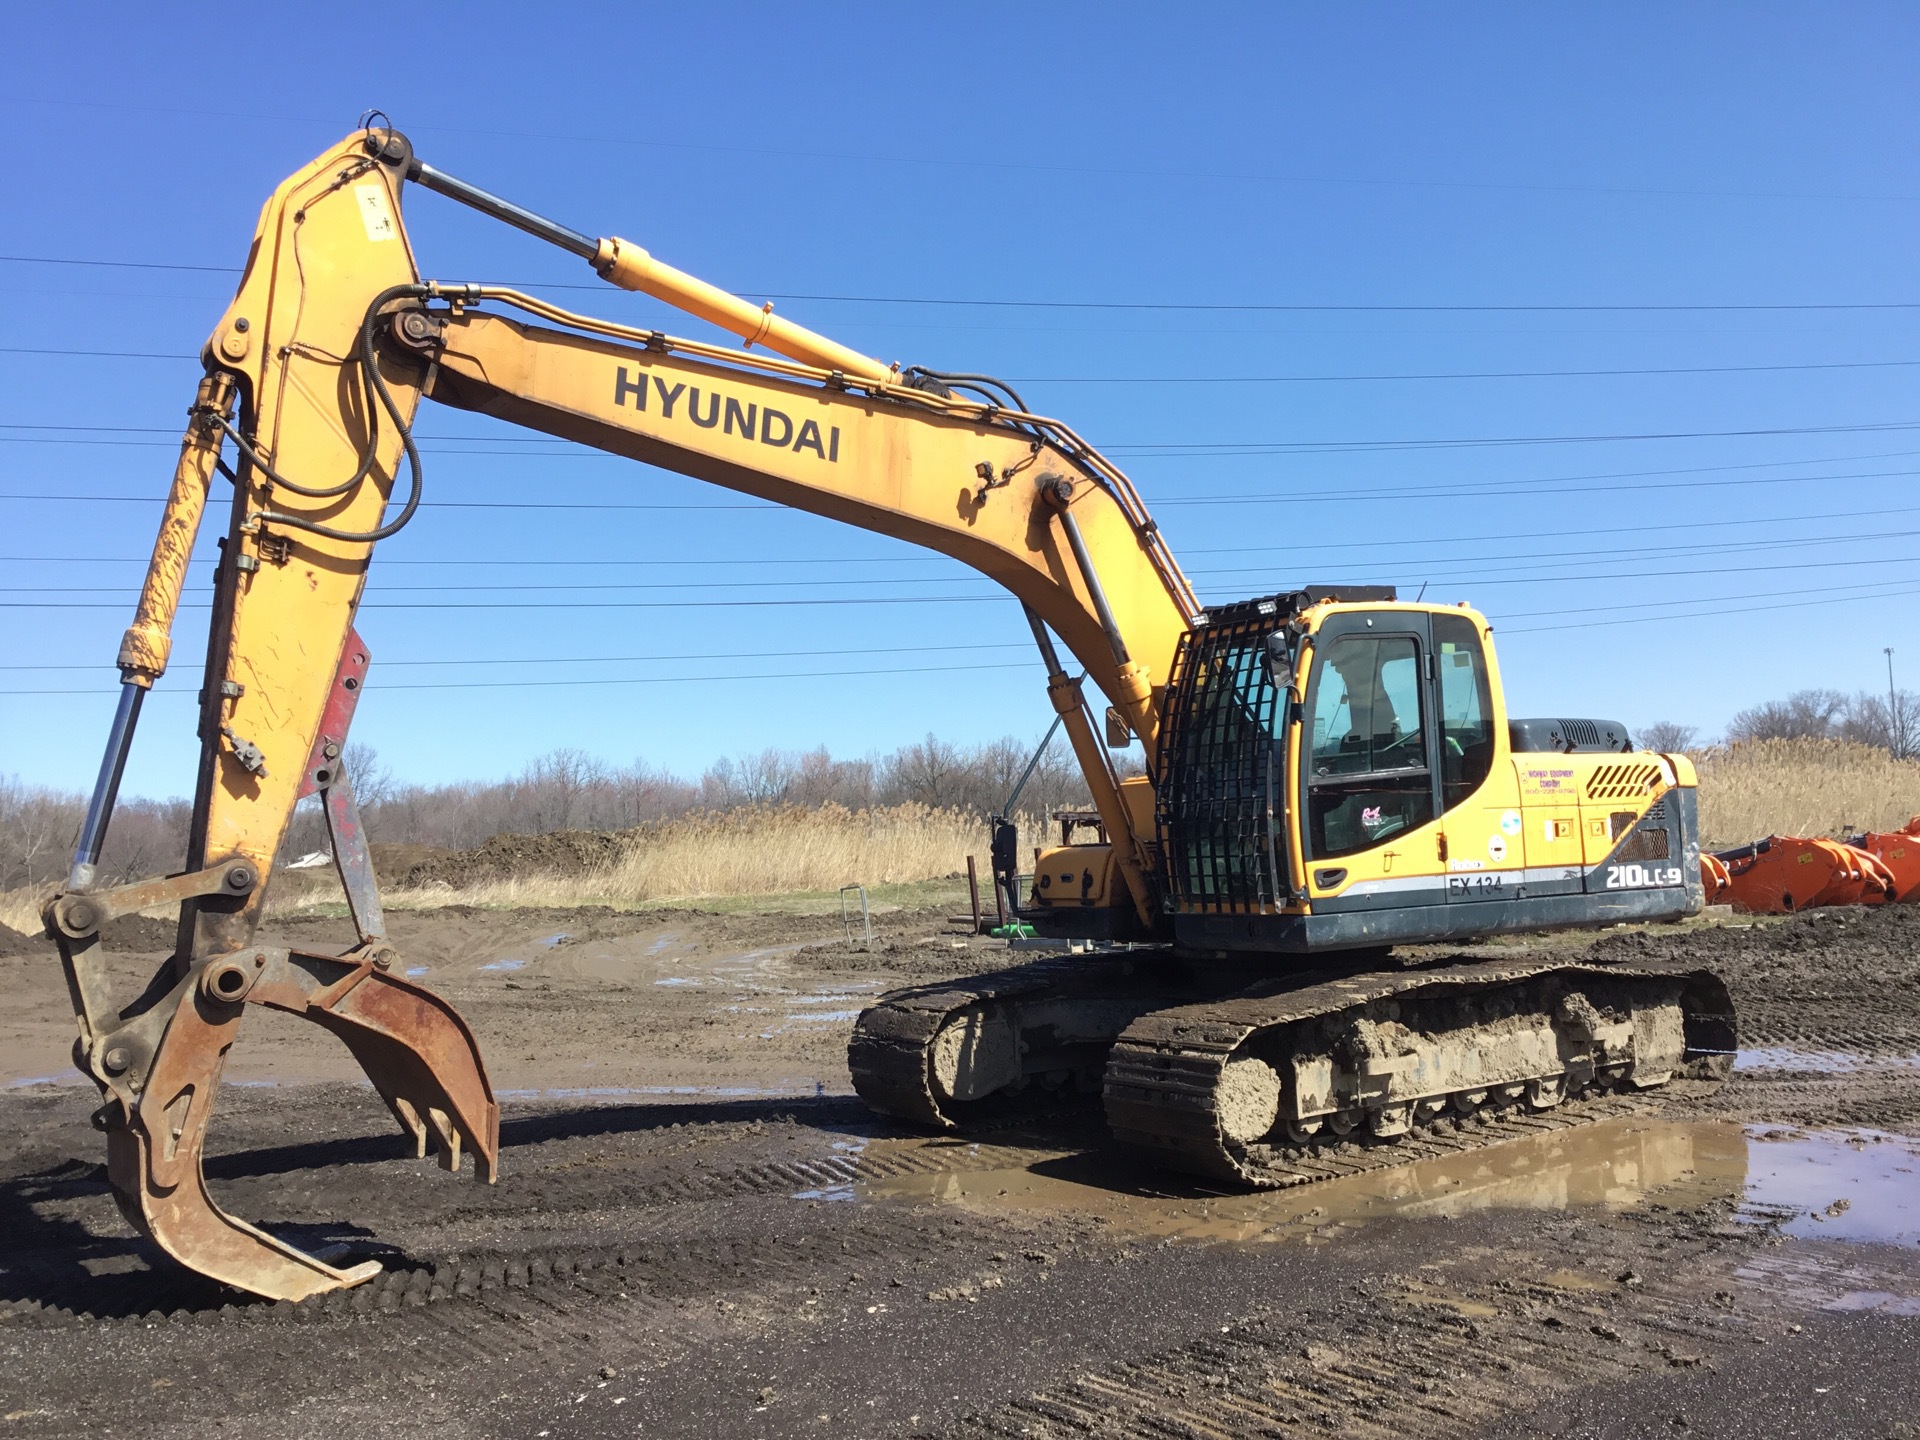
563	853
129	932
1802	954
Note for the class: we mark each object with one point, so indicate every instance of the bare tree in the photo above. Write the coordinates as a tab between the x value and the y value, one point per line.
36	826
1668	737
1803	715
928	772
1888	722
372	781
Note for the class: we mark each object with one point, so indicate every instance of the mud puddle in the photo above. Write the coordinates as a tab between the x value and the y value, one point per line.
1820	1062
791	1090
1858	1186
1825	1184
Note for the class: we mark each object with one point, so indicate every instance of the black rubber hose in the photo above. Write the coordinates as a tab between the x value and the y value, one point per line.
974	382
376	386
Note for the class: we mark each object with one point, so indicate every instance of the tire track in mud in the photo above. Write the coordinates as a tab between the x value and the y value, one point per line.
1870	1098
650	1215
1424	1356
43	1290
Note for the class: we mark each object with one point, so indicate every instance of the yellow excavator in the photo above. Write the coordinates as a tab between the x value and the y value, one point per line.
1330	772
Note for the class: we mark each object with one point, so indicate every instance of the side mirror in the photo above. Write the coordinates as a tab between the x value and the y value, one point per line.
1119	733
1280	661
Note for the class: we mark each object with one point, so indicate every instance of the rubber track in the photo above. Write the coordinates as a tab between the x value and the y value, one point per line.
1162	1074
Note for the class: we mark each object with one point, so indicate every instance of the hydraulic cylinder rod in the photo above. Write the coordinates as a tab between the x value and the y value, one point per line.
106	789
622	263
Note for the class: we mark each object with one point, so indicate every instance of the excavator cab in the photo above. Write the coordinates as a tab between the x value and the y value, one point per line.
1337	772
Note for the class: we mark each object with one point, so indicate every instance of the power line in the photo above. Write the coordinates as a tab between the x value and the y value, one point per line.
1503	488
1504	559
493	586
1170	449
638	680
1118	448
1478	578
1498	572
1237	307
387	563
1508	489
1879	590
950	158
1872	590
571	605
385	664
1225	379
1505	565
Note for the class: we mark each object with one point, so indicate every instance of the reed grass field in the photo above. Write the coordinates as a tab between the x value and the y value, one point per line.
744	852
1826	788
1748	791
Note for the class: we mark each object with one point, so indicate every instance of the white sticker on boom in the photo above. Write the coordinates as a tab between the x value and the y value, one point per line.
376	213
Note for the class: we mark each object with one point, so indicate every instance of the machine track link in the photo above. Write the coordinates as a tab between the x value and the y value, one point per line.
892	1053
1171	1096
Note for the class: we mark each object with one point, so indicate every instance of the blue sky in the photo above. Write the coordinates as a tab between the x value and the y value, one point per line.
1314	193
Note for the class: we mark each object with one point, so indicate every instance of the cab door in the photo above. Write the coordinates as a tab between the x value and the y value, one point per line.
1368	790
1484	833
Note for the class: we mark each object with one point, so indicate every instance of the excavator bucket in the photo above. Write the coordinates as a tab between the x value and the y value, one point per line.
1785	873
1899	852
416	1050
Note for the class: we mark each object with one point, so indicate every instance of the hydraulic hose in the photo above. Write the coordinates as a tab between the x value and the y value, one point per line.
374	387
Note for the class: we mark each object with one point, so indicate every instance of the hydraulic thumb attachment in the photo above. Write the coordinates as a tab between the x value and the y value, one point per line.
159	1065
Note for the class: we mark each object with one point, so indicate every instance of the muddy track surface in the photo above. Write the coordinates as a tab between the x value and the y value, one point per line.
765	1257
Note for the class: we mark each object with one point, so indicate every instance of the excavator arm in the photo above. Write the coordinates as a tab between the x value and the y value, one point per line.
314	378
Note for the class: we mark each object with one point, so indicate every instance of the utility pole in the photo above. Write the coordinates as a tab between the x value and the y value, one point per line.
1893	711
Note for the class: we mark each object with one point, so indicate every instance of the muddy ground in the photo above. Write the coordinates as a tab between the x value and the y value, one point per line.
698	1231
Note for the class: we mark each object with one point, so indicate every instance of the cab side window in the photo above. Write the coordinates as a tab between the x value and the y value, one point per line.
1369	777
1466	708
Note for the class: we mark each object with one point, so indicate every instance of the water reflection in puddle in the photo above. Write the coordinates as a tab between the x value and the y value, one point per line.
1819	1062
1613	1164
1824	1185
1861	1189
791	1091
505	965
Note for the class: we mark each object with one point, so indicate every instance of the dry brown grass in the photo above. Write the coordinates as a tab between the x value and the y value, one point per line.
1769	787
1802	787
747	852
